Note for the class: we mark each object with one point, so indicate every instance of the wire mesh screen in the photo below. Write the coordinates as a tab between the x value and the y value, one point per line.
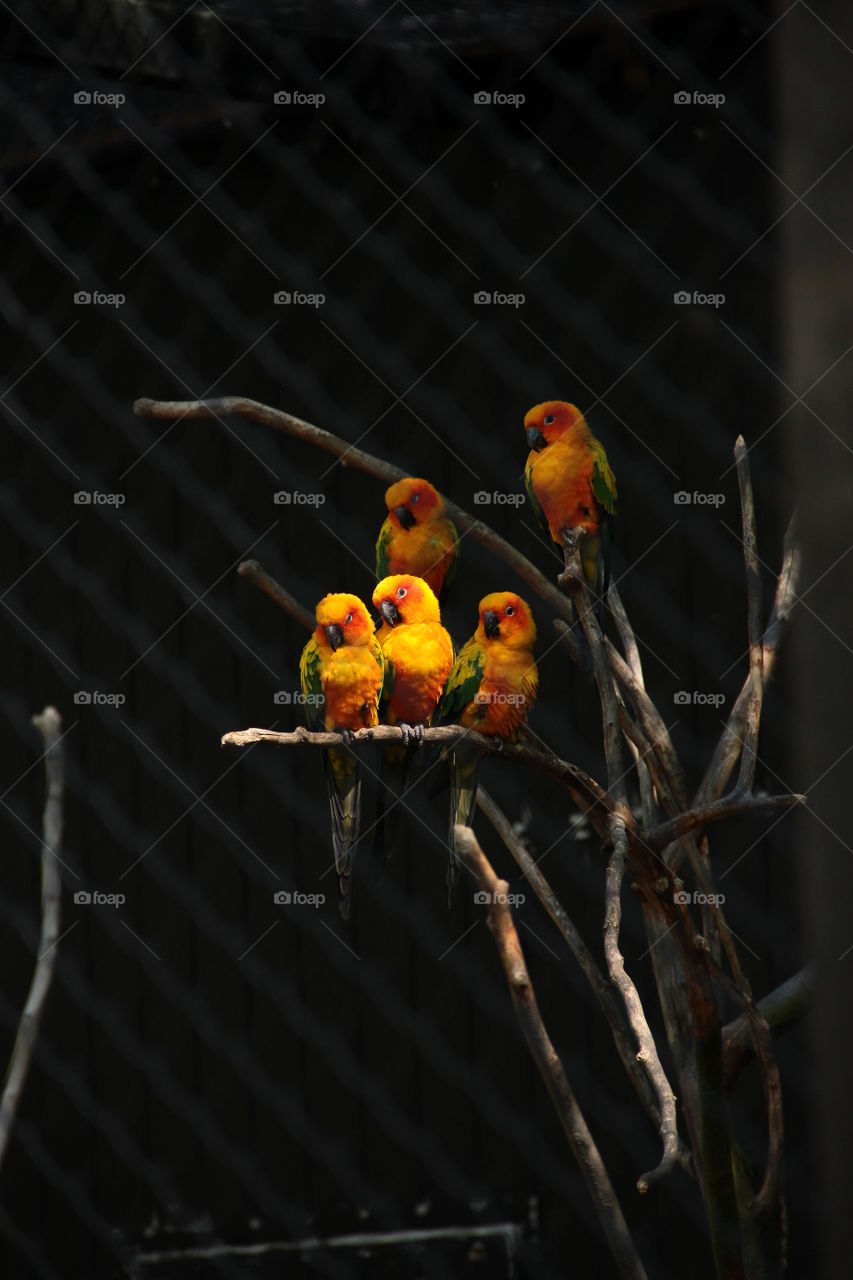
407	225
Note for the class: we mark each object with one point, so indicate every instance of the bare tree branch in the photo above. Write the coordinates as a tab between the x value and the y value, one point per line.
252	570
753	597
49	725
780	1009
586	1153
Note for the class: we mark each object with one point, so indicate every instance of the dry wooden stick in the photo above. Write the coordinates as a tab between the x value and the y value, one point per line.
727	750
780	1009
617	830
350	456
753	596
255	573
49	725
586	1153
613	1012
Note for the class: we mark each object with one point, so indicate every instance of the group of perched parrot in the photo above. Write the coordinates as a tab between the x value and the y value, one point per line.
354	677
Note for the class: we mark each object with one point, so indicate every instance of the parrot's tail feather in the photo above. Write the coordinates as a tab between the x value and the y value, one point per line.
464	772
395	771
343	777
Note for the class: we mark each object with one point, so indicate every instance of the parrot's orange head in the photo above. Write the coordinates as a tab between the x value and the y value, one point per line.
402	598
505	617
550	421
342	619
412	501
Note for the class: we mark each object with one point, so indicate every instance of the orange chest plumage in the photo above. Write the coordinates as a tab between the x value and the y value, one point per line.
352	679
561	479
506	693
425	551
421	656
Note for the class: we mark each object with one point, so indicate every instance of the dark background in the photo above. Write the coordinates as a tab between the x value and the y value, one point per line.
213	1067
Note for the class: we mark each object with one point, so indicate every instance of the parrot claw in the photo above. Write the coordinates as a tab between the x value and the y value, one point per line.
348	736
406	731
499	742
419	732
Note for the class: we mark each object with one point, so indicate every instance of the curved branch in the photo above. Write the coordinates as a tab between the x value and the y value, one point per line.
753	596
49	725
253	570
586	1153
716	811
350	456
647	1054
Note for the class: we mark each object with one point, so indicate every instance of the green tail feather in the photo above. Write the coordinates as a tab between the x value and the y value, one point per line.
464	772
395	771
343	777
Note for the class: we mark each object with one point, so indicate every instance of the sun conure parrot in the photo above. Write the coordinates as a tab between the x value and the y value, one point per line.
491	688
418	655
417	536
341	671
570	484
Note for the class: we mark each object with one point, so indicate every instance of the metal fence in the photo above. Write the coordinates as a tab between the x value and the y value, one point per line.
407	225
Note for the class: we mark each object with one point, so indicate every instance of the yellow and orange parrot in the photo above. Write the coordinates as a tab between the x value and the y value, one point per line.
417	536
491	689
570	484
418	655
341	672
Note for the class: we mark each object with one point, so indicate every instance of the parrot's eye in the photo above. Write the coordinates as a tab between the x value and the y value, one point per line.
416	497
509	611
348	618
401	593
548	419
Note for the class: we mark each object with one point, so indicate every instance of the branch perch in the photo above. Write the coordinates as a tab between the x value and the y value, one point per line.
581	1141
49	725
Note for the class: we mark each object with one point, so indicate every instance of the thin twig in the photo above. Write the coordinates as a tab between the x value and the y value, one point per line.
586	1153
780	1009
753	596
49	725
728	746
736	806
613	1012
350	456
256	574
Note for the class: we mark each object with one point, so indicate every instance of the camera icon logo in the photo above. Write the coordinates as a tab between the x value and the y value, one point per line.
682	698
82	298
82	498
681	98
482	98
681	298
481	897
482	297
282	898
82	897
82	97
283	98
283	498
82	698
681	897
482	498
283	298
681	498
283	698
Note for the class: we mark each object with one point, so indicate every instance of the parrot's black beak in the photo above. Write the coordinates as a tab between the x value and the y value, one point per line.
491	624
405	517
535	438
390	613
334	635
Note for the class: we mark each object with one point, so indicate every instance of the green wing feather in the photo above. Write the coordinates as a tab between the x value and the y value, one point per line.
465	678
382	551
537	510
312	686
